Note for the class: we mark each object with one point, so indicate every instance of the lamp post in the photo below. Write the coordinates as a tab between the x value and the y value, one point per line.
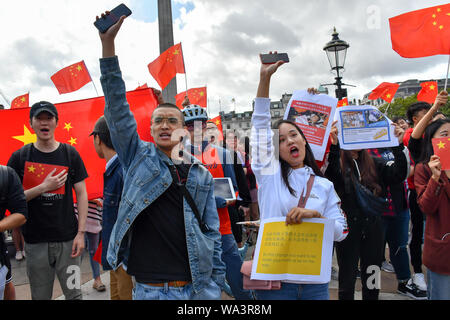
336	51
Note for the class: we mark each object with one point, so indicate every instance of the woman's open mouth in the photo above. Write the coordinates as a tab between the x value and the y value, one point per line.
294	151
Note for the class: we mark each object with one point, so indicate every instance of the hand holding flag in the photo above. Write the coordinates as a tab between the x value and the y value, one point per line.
46	175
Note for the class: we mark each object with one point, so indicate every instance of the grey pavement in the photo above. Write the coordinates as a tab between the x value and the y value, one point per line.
388	283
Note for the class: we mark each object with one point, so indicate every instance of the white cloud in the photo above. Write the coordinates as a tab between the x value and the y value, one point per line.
221	42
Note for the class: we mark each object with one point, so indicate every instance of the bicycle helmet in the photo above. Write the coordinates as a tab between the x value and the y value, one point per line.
194	112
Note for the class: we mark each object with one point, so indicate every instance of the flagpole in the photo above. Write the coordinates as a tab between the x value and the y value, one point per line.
385	112
184	65
93	83
446	78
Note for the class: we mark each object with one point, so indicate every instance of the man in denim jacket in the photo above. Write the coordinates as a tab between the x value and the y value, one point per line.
167	253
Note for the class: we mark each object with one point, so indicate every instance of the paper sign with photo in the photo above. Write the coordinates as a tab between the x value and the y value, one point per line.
313	114
364	127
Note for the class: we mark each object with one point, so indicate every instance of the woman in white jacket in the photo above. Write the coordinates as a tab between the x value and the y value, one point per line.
282	170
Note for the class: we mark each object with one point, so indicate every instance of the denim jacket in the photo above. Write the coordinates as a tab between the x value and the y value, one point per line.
147	177
112	192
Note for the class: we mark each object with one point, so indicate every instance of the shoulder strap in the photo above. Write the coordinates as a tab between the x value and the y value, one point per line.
3	182
24	155
303	199
173	171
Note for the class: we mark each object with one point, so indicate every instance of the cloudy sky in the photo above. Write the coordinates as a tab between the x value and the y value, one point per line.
221	42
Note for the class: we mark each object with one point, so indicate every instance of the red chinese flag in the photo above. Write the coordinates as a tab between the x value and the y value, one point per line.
76	121
71	78
218	122
342	103
429	92
385	91
441	147
196	96
98	253
35	173
22	101
421	33
167	65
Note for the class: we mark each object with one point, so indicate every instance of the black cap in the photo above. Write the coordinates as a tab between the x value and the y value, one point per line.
101	127
42	106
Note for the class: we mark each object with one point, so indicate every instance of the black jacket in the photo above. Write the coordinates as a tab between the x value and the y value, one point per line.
388	175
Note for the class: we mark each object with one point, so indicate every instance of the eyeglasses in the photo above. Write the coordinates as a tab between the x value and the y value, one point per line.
171	121
191	127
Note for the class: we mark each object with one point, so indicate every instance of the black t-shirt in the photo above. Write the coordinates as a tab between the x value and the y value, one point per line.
13	199
51	216
158	250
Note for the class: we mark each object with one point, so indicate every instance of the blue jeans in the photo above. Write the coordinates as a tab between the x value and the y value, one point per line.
145	292
92	240
293	291
233	263
396	234
438	286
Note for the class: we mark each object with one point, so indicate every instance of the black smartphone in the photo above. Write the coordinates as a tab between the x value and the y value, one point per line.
103	24
274	57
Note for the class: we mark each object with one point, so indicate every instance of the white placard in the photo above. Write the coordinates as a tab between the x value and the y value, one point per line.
364	127
313	113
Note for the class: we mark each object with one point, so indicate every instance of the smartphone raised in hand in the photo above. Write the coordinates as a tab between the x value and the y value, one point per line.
104	23
274	57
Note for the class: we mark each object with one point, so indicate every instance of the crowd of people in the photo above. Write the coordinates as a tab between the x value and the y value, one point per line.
166	235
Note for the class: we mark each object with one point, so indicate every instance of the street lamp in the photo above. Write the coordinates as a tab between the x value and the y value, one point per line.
336	51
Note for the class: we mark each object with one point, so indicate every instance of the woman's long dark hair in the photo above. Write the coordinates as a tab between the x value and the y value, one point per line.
286	169
427	146
366	166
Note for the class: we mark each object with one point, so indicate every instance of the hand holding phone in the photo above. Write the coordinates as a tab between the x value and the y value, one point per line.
108	20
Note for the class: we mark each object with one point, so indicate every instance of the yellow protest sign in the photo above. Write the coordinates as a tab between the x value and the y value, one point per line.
293	249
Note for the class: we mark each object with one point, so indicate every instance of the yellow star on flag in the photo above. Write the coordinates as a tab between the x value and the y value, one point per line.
432	87
388	95
31	169
79	68
217	122
27	136
202	94
176	51
441	145
68	126
72	141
